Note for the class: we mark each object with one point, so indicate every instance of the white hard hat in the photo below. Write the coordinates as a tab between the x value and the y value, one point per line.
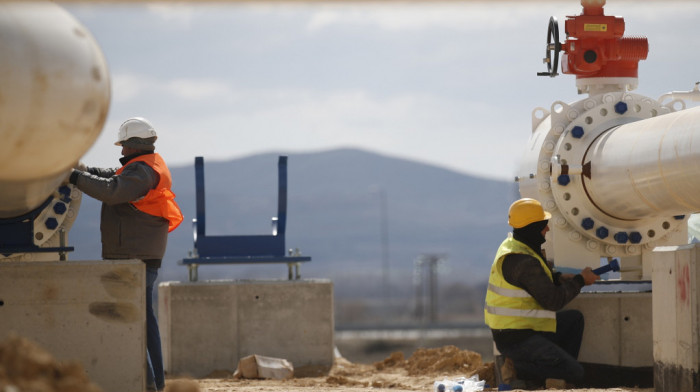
135	127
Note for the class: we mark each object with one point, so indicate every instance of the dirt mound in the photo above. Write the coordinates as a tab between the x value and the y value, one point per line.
24	366
427	361
182	385
447	360
342	380
394	360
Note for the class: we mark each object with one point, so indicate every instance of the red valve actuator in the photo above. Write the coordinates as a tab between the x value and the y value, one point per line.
595	46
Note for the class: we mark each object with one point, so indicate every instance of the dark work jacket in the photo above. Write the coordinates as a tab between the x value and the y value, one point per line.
526	272
127	232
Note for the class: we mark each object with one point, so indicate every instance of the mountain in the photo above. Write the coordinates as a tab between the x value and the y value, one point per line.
335	216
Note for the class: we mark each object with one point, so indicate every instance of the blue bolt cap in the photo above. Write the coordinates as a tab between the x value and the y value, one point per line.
620	107
59	208
635	237
51	223
621	237
64	190
679	217
601	232
563	180
457	388
587	223
577	132
441	388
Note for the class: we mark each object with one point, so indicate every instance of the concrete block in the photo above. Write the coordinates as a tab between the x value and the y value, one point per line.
199	327
208	326
247	367
259	366
675	327
90	311
617	328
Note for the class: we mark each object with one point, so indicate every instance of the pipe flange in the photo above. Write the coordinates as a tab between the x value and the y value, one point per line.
568	160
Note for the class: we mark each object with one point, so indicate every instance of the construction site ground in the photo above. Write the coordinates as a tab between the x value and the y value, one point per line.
393	374
24	366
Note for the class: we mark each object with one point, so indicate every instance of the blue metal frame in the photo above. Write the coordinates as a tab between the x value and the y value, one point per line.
241	249
17	234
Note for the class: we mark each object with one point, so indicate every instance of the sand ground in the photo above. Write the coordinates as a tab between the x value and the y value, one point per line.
394	374
26	367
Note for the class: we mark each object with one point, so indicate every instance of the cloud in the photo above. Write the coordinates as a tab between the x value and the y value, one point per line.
126	86
418	16
133	86
446	83
231	121
418	126
173	14
198	89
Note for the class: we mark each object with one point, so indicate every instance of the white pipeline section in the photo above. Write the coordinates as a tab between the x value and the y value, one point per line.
619	174
647	168
53	102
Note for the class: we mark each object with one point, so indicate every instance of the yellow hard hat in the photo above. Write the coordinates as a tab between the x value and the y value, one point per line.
525	211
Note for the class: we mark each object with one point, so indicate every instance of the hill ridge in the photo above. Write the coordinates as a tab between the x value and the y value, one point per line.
334	215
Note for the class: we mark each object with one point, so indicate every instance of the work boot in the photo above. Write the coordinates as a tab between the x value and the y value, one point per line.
555	383
526	385
505	370
506	376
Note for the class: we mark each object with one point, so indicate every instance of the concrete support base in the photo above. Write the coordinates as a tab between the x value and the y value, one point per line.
676	278
616	350
208	326
617	328
90	311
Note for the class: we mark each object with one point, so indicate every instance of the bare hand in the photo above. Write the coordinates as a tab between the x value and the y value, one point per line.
588	276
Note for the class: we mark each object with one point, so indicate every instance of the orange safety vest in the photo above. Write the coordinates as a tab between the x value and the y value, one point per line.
161	200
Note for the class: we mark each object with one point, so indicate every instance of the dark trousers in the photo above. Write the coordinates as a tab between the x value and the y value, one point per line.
551	355
155	377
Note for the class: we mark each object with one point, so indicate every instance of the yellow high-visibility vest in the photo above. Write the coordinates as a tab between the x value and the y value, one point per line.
509	306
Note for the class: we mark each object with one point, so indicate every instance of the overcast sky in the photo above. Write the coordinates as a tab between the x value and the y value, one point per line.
451	84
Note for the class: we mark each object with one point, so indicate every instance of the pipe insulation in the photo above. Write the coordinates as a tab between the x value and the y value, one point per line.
647	168
53	103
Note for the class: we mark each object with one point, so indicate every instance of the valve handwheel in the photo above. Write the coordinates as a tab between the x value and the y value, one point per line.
553	48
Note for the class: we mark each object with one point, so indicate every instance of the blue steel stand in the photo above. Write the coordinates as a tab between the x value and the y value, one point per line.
17	234
242	249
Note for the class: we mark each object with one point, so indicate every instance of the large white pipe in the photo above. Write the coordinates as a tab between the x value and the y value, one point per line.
618	171
54	99
647	168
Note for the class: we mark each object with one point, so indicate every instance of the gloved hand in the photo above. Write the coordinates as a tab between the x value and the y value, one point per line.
588	276
72	173
66	179
80	166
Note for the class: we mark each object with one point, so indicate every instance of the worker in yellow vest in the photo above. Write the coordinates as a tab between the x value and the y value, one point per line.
537	340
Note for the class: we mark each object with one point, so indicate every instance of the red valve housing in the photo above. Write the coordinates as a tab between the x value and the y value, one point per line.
595	46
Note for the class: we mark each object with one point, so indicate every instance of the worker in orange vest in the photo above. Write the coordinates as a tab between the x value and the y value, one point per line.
138	212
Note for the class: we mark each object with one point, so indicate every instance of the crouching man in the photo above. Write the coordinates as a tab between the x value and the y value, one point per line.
524	301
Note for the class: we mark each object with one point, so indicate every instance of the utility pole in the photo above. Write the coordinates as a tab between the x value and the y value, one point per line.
386	285
426	282
384	243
